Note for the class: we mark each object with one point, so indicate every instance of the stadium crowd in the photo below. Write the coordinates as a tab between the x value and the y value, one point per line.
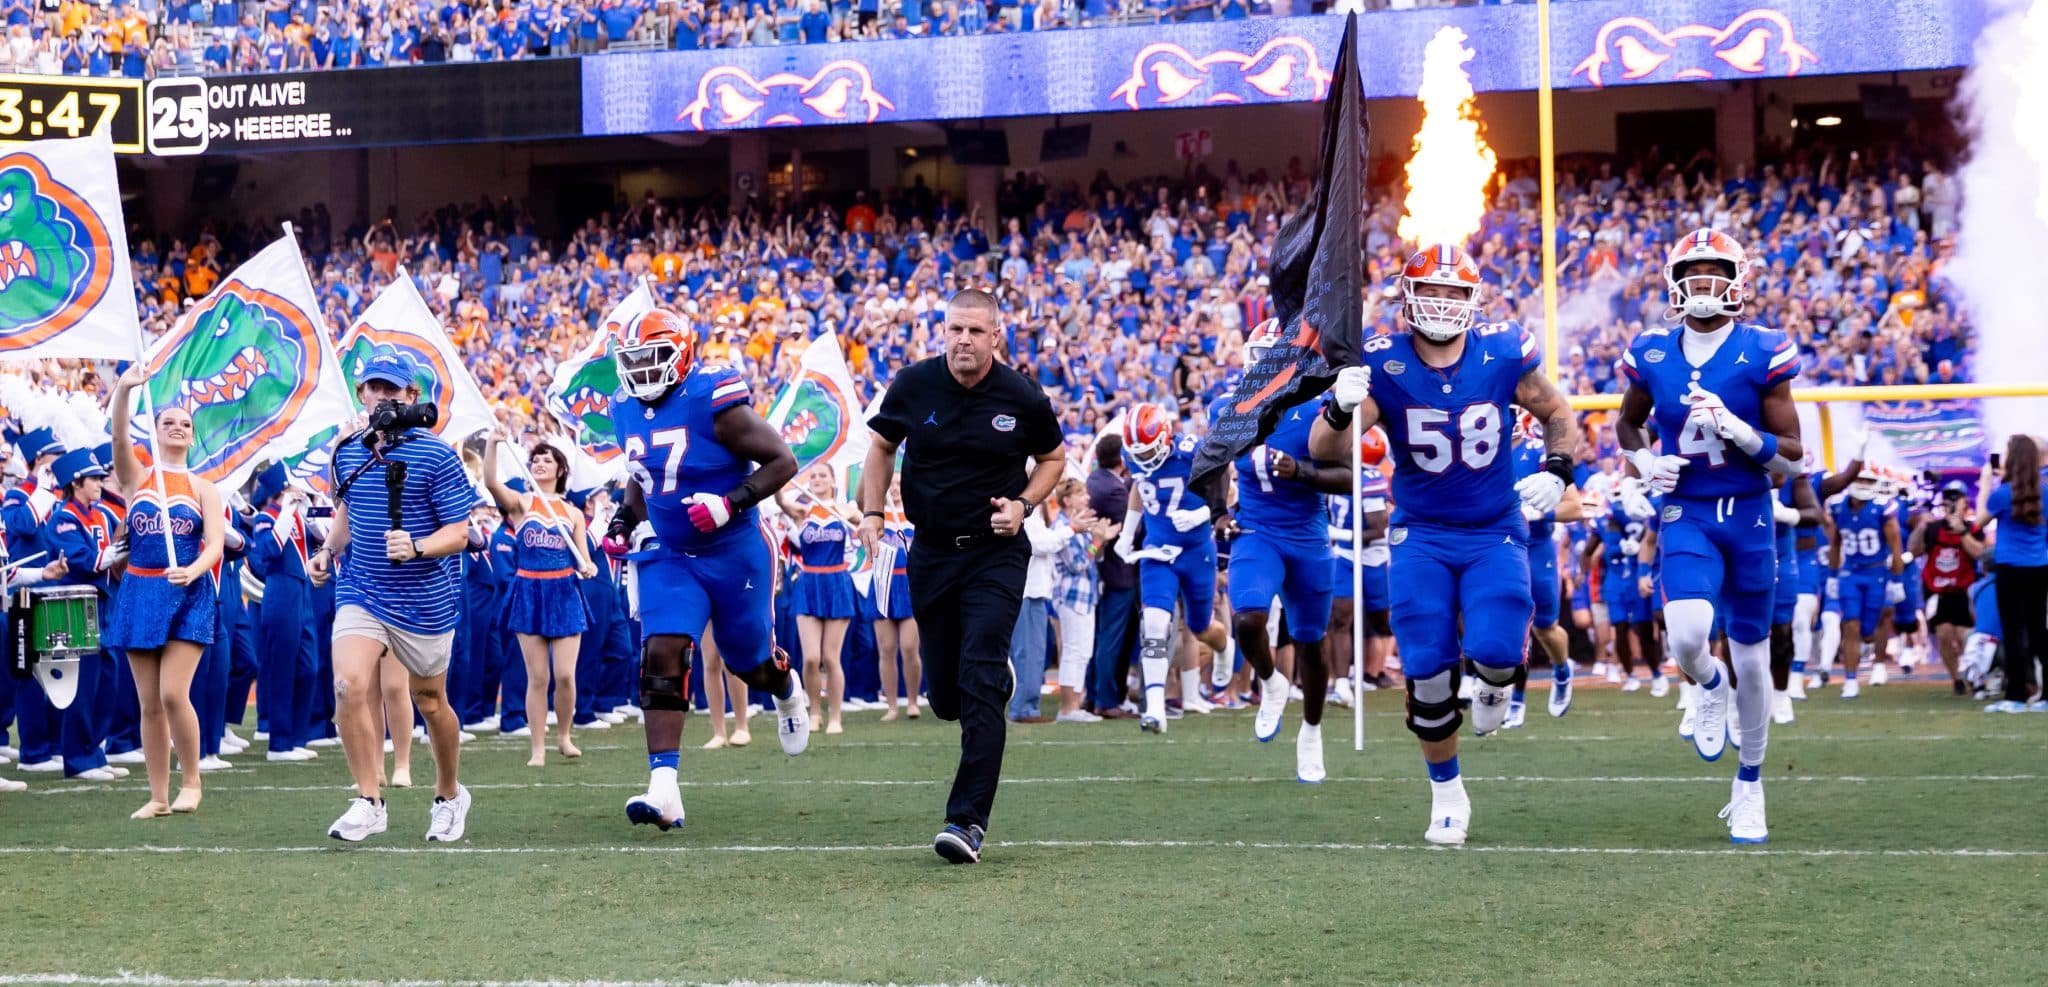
151	38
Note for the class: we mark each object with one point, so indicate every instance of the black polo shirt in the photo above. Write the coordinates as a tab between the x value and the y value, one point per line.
962	446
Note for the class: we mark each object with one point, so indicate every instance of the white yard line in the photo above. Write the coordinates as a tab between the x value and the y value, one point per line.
126	979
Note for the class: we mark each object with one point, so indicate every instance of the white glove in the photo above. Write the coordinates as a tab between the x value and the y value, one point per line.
1157	553
1862	446
1631	547
1834	588
1894	592
1375	554
1127	539
1723	422
1340	536
1659	473
1531	514
1784	513
643	534
1354	385
1190	519
1540	492
1636	506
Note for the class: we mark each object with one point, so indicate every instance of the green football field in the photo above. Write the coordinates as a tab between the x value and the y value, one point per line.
1909	844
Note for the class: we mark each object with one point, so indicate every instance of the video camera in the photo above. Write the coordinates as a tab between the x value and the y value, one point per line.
394	418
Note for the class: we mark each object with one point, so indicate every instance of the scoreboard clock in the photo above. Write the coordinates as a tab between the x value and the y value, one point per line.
41	107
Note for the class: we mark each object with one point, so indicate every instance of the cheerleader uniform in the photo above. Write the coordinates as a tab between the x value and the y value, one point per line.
824	581
899	532
149	611
545	599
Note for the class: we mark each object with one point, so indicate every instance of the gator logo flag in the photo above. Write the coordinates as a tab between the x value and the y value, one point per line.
65	285
817	411
399	319
581	395
253	365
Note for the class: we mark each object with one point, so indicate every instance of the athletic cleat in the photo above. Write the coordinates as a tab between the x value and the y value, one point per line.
1154	724
1817	681
1734	723
1687	724
1516	711
363	819
793	718
1614	675
1560	696
2006	706
1450	814
1795	688
1633	684
1308	755
1686	692
1745	814
651	810
959	844
1489	707
1781	708
1659	686
1878	675
1272	706
447	819
1850	689
1711	707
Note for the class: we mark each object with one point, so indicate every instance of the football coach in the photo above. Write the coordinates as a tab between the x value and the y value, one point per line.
981	450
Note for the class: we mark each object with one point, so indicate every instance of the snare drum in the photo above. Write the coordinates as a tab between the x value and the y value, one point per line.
63	621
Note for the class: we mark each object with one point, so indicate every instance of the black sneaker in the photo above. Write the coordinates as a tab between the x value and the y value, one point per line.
959	844
1962	688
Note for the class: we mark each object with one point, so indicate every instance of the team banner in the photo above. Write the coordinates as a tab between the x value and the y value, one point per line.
581	395
252	364
1595	44
816	412
1930	435
1316	282
65	286
399	320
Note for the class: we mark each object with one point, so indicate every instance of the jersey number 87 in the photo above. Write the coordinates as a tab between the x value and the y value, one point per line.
1434	443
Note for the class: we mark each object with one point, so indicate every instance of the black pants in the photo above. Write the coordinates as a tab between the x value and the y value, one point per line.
2023	616
966	602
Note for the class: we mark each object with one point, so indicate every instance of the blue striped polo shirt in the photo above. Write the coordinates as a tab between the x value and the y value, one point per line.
425	595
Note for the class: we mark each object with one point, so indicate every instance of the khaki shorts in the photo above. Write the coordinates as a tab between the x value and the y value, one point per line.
424	655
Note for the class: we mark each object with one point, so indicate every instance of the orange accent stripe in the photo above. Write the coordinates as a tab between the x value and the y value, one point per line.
146	573
545	574
841	567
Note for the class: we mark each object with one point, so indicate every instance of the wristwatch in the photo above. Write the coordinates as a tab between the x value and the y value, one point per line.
1029	507
417	551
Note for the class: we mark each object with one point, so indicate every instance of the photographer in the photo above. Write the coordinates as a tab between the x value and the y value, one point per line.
404	513
1950	540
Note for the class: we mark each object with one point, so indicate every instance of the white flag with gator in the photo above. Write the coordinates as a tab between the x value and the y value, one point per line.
581	395
254	365
65	285
399	319
817	412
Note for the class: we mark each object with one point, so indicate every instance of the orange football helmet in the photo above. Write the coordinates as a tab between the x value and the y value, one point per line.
1372	447
655	351
1705	296
1148	435
1440	319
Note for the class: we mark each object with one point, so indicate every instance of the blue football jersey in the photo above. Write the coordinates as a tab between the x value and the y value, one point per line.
1372	496
1751	361
1860	525
673	451
1528	463
1619	566
1289	510
1164	489
1450	430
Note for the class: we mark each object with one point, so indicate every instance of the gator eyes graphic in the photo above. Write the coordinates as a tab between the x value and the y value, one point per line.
732	97
1758	42
248	364
55	257
1167	74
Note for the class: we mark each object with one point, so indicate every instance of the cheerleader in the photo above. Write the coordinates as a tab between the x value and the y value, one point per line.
546	611
719	685
896	630
824	600
166	613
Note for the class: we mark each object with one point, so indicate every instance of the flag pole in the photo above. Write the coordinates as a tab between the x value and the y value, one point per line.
1357	593
156	472
1546	156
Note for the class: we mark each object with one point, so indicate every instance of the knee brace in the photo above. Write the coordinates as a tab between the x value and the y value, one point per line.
1155	623
1492	675
670	691
1434	712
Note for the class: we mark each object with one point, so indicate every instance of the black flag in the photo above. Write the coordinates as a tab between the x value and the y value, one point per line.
1316	276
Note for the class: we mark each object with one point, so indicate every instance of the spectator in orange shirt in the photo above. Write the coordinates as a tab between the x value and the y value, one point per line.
860	217
668	265
201	274
638	260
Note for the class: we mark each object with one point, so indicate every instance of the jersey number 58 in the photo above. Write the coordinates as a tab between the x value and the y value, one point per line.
1434	442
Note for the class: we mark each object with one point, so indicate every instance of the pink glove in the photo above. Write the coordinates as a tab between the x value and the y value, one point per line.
709	512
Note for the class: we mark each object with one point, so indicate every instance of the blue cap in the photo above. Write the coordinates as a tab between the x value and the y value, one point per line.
75	465
1955	488
39	442
269	484
390	366
103	454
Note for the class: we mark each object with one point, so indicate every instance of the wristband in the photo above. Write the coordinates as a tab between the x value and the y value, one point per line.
1767	451
869	514
1559	465
1338	418
743	496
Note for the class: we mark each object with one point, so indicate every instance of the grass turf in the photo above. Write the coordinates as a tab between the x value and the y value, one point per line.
1596	857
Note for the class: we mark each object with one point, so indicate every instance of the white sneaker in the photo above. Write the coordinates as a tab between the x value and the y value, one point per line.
1850	688
1308	755
664	810
627	710
387	745
793	719
1781	708
336	741
97	774
1711	708
1813	682
1489	707
1878	675
1745	814
486	724
551	718
1078	716
1294	694
614	718
1660	686
6	759
1795	688
128	757
1687	724
464	736
8	753
521	732
261	735
445	821
215	763
597	724
52	766
1341	690
1560	696
1633	685
1272	706
363	819
231	744
1450	813
1614	675
1516	713
10	785
300	754
1196	704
